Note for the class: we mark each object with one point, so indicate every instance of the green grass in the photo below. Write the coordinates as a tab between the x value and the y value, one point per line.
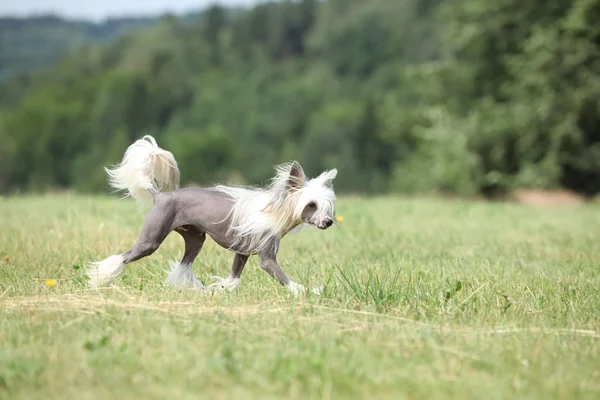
423	299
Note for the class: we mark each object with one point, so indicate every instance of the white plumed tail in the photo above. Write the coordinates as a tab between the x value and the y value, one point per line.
144	167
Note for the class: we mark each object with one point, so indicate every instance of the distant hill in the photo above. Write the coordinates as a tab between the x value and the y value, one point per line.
30	43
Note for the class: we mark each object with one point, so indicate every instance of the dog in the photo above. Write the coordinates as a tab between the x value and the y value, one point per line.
245	220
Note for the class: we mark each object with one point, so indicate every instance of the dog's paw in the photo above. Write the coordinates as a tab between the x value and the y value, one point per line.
223	284
180	276
296	289
318	290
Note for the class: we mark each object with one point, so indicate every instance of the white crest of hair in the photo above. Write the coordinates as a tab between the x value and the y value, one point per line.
104	272
144	167
261	215
320	190
181	276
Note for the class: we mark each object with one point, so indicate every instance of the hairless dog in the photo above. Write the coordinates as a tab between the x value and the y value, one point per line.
245	220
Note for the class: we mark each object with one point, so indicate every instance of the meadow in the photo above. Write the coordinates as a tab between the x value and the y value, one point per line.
423	299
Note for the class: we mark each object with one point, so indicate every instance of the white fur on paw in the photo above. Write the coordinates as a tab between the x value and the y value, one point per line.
181	276
318	290
296	288
102	273
224	284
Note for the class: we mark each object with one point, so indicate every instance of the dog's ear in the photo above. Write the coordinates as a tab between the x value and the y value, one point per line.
327	177
296	178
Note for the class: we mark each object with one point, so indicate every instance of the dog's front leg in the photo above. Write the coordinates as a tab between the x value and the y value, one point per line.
268	262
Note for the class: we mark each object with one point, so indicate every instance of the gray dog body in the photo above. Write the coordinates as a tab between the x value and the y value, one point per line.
246	221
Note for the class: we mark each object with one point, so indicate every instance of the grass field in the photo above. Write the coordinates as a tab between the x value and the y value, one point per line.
423	299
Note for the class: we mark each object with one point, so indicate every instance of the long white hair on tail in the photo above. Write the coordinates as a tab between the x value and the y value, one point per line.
145	166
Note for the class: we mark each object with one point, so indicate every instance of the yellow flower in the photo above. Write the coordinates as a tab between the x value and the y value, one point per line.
51	282
5	258
340	219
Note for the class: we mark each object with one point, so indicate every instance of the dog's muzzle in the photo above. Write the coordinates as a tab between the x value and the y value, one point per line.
326	223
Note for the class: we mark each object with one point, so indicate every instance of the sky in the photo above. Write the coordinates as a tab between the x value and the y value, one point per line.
98	10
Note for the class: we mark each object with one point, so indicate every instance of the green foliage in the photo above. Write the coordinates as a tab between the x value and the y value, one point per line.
516	98
411	96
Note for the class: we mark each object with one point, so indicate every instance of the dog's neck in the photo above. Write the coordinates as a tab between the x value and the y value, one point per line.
283	215
290	228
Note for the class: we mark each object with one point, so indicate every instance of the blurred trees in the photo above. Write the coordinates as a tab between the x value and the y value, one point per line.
514	102
461	96
27	44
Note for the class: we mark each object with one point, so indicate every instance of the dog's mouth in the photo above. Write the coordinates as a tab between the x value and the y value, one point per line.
322	225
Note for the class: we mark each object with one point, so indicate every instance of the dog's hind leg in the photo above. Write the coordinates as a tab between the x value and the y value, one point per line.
233	280
181	274
157	226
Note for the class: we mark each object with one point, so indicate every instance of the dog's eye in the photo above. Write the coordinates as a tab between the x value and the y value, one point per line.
312	205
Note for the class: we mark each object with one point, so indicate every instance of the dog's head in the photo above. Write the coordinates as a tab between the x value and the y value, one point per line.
312	200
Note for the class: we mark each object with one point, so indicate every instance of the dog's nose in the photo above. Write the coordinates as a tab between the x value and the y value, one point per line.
328	222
